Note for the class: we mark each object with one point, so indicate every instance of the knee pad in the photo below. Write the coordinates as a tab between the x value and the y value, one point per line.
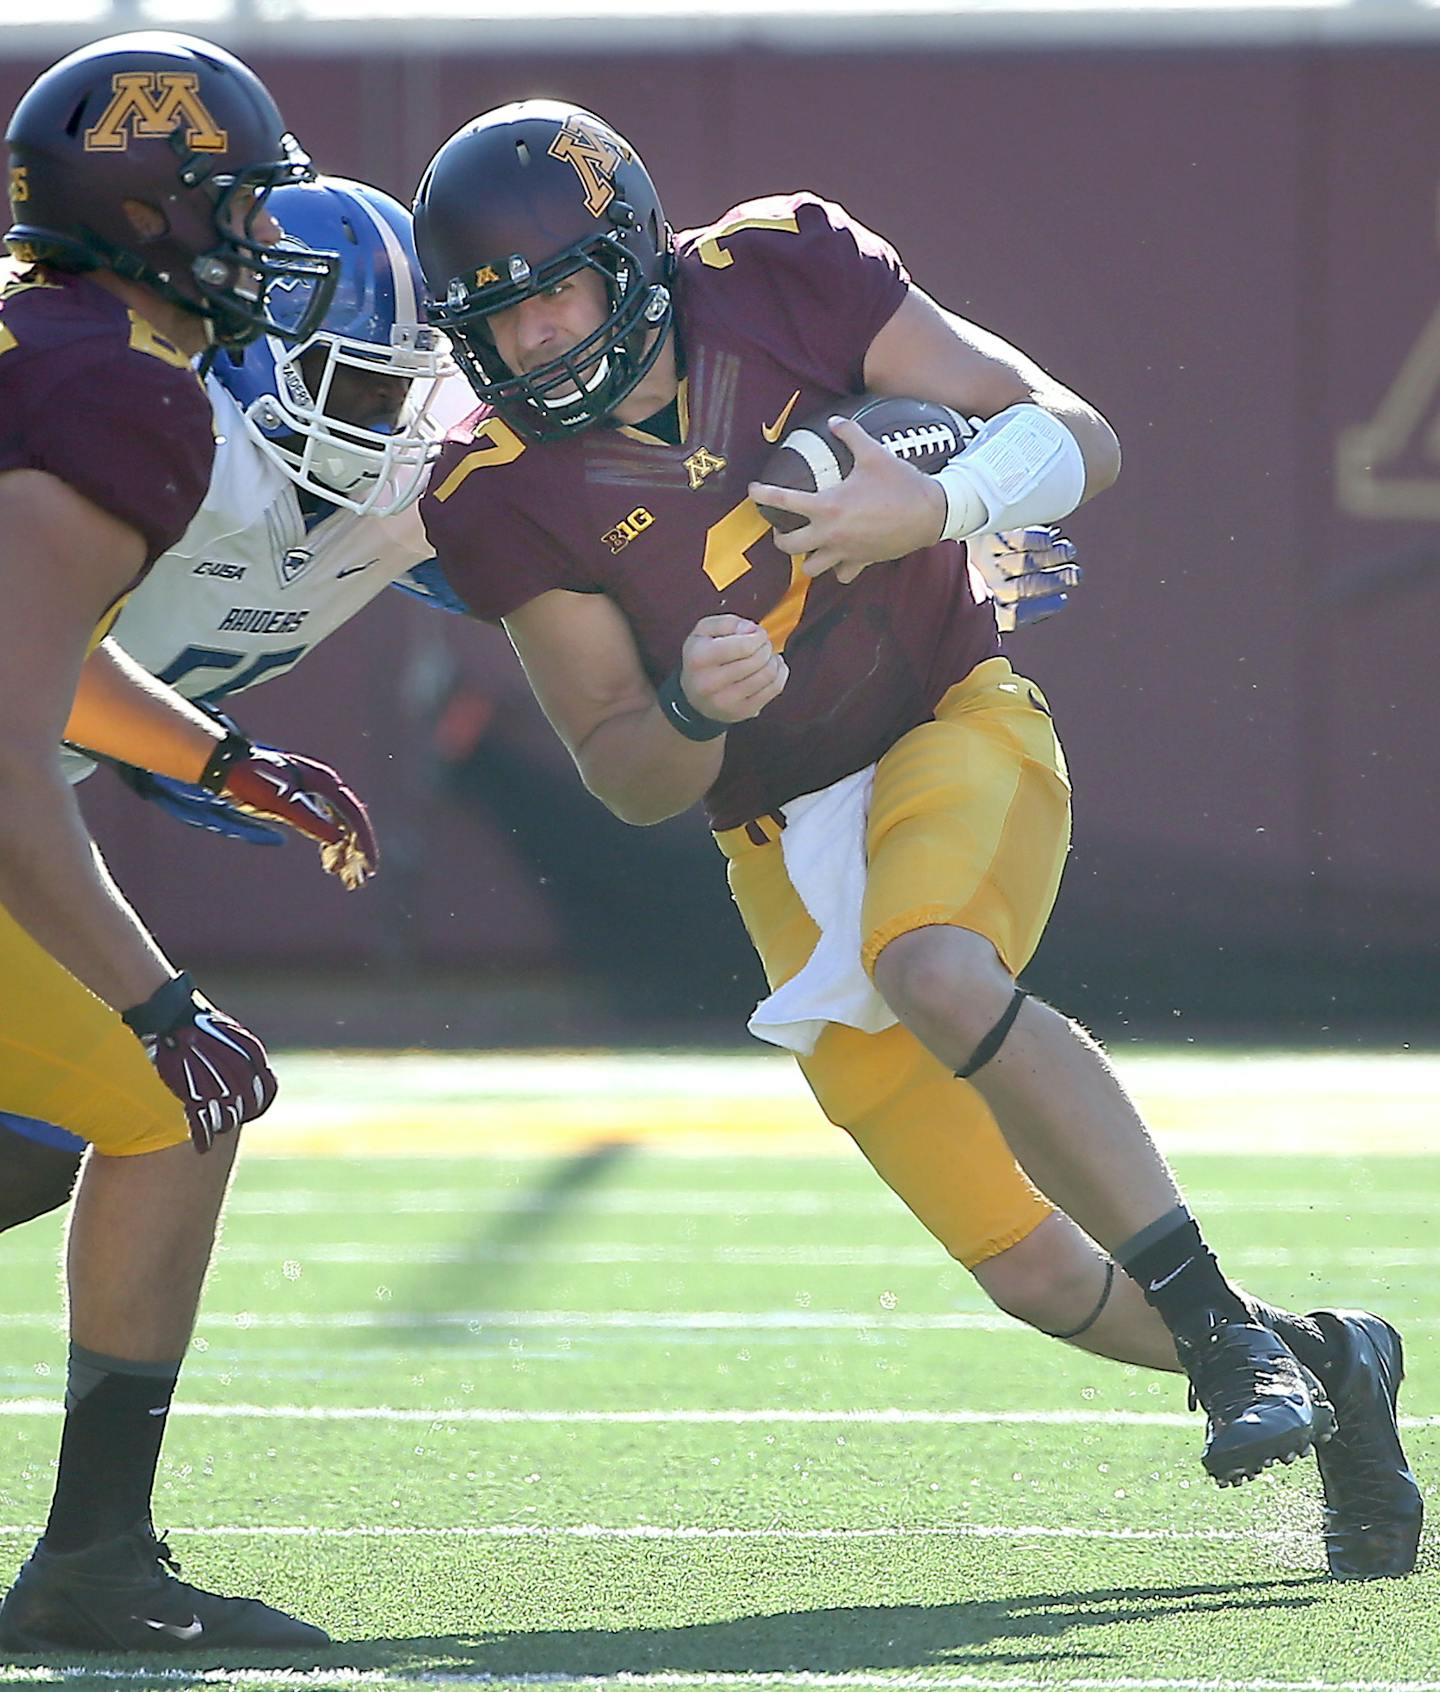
995	1038
36	1175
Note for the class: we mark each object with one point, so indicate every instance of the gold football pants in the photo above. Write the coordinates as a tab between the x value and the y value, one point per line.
67	1058
969	826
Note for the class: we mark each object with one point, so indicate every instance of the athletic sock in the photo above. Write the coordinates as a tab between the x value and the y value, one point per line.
115	1413
1179	1276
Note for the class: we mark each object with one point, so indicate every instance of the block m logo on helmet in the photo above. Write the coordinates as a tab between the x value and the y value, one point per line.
150	106
594	156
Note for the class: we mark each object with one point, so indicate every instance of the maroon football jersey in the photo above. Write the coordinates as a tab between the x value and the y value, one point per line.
92	394
777	305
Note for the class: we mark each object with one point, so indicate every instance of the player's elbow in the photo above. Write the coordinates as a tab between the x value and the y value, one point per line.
1100	448
634	786
640	810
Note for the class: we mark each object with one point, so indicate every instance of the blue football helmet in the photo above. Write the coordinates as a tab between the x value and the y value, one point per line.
375	323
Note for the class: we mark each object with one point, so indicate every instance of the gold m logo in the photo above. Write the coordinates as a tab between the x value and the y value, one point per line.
594	157
703	463
151	105
486	274
19	185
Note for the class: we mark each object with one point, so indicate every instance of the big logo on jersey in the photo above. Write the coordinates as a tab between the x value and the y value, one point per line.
593	156
150	106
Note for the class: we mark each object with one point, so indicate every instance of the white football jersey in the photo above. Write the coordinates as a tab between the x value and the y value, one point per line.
250	587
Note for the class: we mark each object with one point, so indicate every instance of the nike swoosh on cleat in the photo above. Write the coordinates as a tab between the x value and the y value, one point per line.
1165	1280
772	431
191	1630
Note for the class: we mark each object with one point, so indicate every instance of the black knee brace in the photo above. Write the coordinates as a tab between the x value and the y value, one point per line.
34	1178
995	1038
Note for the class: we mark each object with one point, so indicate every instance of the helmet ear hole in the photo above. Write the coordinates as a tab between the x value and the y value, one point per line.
148	222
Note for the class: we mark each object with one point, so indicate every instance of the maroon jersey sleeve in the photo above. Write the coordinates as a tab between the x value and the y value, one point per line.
810	278
102	403
494	553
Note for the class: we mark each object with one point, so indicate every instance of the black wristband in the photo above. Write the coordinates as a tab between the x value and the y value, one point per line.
228	751
682	715
166	1008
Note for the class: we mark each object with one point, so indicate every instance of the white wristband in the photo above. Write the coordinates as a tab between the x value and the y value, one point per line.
1023	466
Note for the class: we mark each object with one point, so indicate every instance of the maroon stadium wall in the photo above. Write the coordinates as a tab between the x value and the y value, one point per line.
1234	254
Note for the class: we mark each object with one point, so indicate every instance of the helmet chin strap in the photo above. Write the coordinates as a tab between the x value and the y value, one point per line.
602	373
334	467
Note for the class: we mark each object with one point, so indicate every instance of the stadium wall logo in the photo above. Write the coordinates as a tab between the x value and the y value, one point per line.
150	106
1389	467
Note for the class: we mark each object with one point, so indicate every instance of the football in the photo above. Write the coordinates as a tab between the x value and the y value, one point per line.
810	458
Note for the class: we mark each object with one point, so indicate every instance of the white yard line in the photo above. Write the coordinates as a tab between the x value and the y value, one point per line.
646	1531
639	1201
671	1418
262	1680
298	1254
216	1325
475	1321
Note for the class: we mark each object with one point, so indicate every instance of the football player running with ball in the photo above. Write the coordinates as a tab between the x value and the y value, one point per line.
139	170
890	794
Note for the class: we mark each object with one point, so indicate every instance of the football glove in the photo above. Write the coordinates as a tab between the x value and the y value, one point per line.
217	1069
1026	572
193	805
304	795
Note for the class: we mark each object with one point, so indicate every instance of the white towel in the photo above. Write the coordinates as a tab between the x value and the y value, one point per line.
823	843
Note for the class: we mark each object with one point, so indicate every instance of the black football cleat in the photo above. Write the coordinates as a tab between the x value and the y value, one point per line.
124	1595
1261	1405
1374	1509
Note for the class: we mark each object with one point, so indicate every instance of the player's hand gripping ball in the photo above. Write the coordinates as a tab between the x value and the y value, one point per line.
812	457
882	517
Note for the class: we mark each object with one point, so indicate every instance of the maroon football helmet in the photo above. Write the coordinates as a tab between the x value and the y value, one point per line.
513	203
179	126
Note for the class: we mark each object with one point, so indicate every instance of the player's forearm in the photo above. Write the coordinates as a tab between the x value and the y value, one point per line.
120	710
642	770
54	884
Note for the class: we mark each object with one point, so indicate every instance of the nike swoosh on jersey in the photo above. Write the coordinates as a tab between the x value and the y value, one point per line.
191	1630
354	570
773	431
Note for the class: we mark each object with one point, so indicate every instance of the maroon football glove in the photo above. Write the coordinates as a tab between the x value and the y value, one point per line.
217	1069
308	796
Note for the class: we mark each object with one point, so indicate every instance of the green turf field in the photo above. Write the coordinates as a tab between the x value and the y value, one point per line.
651	1411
